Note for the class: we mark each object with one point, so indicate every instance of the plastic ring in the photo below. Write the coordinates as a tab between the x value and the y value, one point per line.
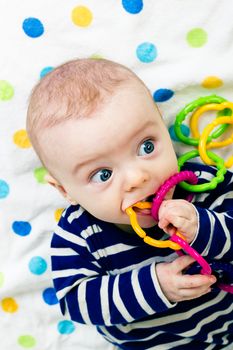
212	106
219	162
206	269
186	110
141	233
203	139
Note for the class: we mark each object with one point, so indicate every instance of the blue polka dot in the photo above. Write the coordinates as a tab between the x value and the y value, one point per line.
45	71
132	6
49	296
21	228
146	52
184	128
162	95
65	327
4	189
37	265
33	27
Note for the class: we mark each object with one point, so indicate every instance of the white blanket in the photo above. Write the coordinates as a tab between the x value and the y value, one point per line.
182	49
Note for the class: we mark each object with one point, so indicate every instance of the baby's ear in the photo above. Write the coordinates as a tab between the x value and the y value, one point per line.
53	182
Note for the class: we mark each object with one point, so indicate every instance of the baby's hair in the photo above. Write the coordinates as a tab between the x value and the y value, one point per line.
74	89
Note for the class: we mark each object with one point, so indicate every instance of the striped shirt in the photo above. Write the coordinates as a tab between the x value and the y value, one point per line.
106	277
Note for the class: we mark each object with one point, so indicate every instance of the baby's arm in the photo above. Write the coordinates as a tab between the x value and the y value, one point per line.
178	286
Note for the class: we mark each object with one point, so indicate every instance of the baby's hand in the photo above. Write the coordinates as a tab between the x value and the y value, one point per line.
178	214
177	286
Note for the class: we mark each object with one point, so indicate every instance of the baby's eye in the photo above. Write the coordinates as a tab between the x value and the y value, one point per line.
146	147
102	175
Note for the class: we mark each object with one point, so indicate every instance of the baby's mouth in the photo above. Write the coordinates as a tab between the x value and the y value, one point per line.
144	206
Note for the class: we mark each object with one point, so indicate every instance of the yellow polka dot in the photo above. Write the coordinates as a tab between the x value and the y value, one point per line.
9	305
81	16
21	139
212	82
58	213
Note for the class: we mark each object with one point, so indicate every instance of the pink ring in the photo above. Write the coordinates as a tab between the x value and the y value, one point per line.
185	175
206	269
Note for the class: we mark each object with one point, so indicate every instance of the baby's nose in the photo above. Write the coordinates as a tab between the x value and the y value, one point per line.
135	179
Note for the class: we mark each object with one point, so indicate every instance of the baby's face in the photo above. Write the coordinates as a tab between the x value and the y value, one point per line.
115	158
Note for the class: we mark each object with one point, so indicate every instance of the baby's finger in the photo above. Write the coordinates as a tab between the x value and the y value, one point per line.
192	293
196	281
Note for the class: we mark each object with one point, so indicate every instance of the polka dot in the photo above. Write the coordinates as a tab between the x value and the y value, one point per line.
57	213
33	27
9	305
27	341
45	71
6	90
197	37
132	6
4	189
39	174
184	128
212	82
21	139
162	95
81	16
49	296
37	265
65	327
146	52
1	279
96	56
21	228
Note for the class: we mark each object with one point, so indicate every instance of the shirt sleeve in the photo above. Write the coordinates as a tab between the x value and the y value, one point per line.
215	232
90	295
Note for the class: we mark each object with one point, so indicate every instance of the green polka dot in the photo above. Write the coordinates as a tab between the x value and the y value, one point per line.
6	90
39	174
1	279
26	341
197	37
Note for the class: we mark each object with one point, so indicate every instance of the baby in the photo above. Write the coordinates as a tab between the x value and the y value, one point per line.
97	130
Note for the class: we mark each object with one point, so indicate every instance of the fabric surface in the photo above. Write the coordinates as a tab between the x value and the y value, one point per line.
181	49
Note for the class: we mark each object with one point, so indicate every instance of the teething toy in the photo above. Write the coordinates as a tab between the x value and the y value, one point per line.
190	108
203	142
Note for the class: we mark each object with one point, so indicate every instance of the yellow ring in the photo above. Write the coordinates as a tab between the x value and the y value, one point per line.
208	107
142	234
203	139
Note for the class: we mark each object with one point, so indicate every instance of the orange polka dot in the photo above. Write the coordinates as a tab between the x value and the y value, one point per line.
21	139
212	82
9	305
58	213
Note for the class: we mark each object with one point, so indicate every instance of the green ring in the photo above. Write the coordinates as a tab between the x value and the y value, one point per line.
206	186
189	108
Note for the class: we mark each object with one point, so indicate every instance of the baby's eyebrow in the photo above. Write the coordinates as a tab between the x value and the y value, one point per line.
80	165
